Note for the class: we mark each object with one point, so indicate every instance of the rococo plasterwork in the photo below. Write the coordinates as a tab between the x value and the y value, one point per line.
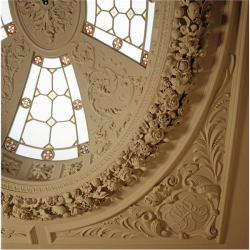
190	34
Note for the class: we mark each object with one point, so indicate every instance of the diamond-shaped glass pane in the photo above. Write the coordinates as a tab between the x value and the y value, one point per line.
114	12
52	95
51	122
130	14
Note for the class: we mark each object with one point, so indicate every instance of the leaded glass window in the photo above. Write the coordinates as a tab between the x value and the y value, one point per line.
125	25
50	121
8	28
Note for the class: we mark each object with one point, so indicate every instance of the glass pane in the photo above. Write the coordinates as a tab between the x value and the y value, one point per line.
139	6
104	21
137	30
41	108
63	134
65	154
45	82
131	51
29	152
5	12
62	108
52	63
36	134
82	129
31	83
105	4
3	34
73	85
59	82
104	37
121	25
17	127
91	11
122	6
150	20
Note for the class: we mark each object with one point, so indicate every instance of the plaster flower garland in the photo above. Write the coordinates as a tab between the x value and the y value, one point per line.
190	27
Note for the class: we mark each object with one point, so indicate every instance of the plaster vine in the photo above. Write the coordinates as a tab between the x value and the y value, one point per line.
190	28
11	59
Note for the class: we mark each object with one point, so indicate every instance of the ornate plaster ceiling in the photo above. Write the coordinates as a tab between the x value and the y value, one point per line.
160	136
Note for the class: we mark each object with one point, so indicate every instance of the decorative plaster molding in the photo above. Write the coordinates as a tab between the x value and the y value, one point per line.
163	116
48	19
12	58
104	83
7	233
72	168
184	205
41	171
10	165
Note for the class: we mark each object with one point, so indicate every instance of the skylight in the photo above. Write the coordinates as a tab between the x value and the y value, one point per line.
125	25
7	26
50	121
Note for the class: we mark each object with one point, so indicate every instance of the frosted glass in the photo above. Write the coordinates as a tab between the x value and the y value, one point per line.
131	51
5	12
3	34
62	108
29	152
72	82
59	82
150	20
41	108
45	82
52	63
137	30
36	134
91	11
104	37
122	6
82	129
17	127
63	134
121	25
31	83
139	6
105	4
104	21
65	154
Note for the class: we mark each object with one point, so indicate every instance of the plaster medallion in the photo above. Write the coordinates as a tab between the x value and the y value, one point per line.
51	24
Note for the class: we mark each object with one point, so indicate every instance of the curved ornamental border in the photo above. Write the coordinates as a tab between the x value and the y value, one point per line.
190	29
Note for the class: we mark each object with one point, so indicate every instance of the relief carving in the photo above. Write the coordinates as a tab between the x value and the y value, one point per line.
101	151
7	233
9	165
41	171
12	58
48	18
163	116
72	168
184	205
104	83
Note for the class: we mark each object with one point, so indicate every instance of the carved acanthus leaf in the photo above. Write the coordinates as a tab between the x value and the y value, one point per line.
12	58
41	171
209	150
9	165
50	18
7	233
72	168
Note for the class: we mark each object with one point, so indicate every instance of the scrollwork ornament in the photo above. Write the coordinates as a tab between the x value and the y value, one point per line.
159	122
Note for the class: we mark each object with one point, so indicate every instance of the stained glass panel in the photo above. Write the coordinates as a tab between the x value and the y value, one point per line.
122	19
49	121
